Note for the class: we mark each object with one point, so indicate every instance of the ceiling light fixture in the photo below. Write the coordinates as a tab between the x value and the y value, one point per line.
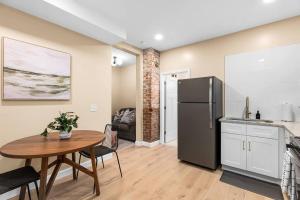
268	1
116	61
119	61
158	37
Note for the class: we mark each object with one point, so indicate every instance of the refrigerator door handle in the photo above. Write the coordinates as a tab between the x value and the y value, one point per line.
210	104
210	116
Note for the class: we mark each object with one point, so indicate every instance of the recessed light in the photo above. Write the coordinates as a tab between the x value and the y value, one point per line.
158	37
268	1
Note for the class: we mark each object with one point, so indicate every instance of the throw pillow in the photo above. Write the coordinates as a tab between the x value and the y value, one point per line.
128	117
118	116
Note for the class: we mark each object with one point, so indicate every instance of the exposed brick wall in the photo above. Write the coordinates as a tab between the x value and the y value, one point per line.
151	95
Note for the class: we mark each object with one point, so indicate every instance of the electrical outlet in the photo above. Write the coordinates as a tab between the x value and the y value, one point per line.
93	108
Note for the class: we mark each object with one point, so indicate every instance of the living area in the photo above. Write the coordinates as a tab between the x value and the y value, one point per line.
118	100
124	96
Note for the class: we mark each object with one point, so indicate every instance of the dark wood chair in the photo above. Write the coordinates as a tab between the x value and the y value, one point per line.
110	145
17	178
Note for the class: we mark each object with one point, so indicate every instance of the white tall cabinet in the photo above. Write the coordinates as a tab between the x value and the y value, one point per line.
251	148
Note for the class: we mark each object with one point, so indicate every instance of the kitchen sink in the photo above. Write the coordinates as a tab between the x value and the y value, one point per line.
250	120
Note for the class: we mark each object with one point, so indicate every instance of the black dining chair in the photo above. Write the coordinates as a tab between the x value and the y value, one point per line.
19	177
109	145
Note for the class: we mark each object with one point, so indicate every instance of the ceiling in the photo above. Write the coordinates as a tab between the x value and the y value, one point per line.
73	16
126	58
180	22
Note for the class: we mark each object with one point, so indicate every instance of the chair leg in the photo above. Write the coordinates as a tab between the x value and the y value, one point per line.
79	164
36	188
119	164
102	162
29	194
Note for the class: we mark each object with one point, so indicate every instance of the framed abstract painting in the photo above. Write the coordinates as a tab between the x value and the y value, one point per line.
32	72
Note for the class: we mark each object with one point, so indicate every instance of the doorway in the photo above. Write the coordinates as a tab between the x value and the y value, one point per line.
124	96
168	104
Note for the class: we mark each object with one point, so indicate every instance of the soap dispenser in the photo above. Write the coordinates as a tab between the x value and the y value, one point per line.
257	115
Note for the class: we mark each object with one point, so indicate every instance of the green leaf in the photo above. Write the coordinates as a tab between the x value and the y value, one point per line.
45	133
65	122
69	129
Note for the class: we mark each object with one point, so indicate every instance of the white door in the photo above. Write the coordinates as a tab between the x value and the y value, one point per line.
233	150
262	156
170	108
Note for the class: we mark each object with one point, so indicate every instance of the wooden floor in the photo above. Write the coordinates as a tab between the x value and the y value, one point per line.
150	174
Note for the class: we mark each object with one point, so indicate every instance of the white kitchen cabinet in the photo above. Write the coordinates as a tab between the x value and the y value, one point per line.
234	128
262	156
262	131
233	150
254	149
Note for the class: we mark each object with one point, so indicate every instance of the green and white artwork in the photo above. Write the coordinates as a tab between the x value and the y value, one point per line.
32	72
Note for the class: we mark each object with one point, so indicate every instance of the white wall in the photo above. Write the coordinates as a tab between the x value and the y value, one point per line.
269	77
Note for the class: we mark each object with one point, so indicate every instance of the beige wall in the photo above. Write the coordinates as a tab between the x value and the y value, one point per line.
123	87
91	81
115	89
207	58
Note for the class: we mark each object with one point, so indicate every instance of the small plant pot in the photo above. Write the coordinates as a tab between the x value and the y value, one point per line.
64	135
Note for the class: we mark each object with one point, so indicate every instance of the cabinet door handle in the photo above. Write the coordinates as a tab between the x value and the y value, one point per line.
243	145
249	147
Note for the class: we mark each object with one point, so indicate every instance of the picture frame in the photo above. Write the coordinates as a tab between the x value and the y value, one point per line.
33	72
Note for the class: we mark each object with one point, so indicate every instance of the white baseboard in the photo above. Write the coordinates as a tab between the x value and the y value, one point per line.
139	143
147	144
61	174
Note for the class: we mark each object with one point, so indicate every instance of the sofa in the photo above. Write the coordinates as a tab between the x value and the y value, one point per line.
126	130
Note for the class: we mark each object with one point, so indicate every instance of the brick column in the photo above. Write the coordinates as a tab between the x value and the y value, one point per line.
151	95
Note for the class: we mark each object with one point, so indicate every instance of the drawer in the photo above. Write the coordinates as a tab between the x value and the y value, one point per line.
262	131
239	129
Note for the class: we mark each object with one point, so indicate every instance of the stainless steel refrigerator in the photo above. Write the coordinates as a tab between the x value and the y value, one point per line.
199	108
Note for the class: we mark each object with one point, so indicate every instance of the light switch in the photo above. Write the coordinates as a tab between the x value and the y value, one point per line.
93	107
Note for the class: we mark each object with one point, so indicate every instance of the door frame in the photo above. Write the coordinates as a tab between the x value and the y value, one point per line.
139	85
163	75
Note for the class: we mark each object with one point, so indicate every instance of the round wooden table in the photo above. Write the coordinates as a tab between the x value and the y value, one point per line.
42	147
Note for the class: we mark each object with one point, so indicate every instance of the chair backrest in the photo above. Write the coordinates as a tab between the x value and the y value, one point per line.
111	137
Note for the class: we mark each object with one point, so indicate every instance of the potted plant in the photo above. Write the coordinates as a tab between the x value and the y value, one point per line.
64	124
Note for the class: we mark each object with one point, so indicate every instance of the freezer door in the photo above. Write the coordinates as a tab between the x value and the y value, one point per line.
196	138
195	90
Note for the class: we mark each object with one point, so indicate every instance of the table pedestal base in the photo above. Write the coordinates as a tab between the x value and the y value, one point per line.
45	187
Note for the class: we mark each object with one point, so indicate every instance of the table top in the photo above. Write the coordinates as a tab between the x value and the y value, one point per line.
39	146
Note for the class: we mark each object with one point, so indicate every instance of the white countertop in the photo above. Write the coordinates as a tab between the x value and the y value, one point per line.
292	127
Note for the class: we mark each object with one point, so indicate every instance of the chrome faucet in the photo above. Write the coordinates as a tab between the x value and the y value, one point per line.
247	111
